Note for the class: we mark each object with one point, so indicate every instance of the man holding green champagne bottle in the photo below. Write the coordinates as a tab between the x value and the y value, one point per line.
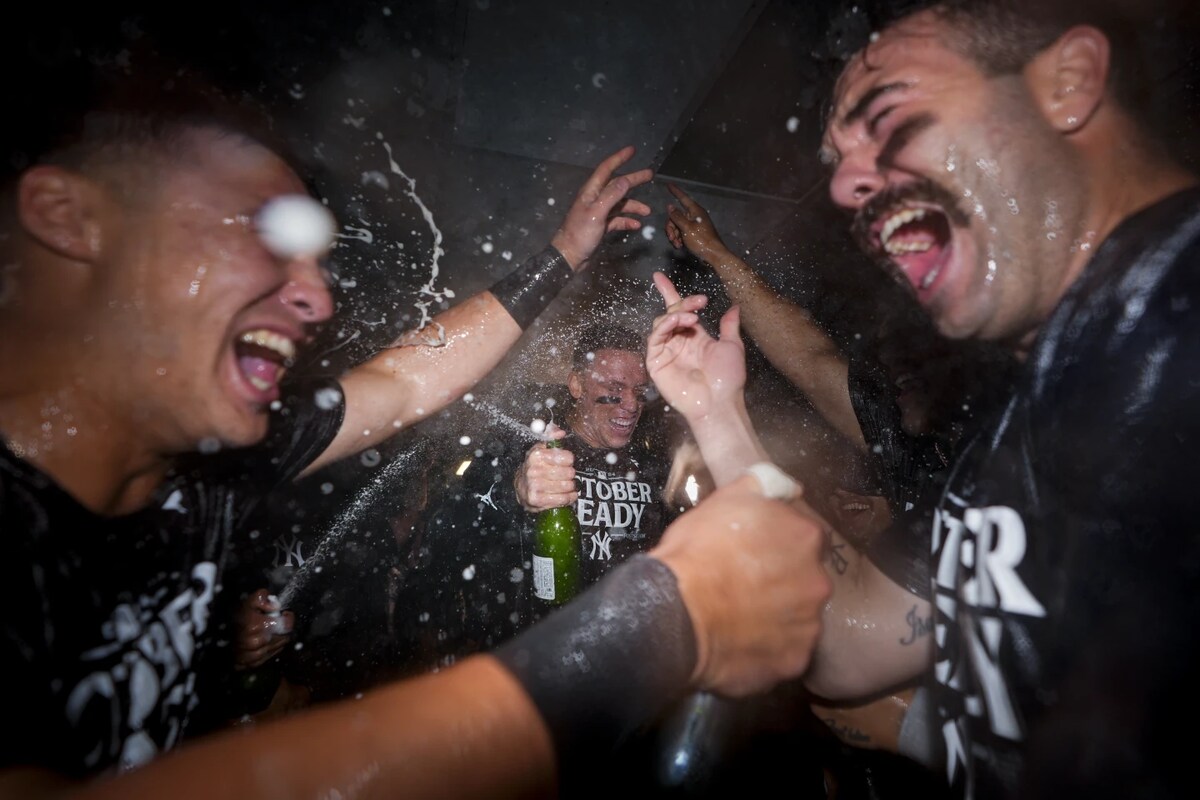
609	480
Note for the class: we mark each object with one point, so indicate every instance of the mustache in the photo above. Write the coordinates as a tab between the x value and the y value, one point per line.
922	190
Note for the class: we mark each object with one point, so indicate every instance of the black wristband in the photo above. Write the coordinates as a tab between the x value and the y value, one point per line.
608	662
526	291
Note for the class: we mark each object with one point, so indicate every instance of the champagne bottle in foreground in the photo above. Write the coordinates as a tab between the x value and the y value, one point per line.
556	552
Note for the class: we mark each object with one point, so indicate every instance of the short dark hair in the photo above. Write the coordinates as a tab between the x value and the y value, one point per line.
86	115
604	336
1002	36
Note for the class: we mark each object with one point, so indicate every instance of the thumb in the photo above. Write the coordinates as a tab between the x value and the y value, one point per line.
731	325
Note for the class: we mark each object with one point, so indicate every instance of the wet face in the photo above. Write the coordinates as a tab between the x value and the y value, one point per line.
957	183
609	397
201	317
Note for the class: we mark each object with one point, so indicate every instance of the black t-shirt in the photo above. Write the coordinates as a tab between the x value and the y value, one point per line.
621	510
107	619
469	582
1066	550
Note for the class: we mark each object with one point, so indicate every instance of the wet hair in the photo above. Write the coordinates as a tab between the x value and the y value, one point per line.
113	121
1002	36
604	336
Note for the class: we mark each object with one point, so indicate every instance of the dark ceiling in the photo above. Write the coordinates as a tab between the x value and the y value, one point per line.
496	111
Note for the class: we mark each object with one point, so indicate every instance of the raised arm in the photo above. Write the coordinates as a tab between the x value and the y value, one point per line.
729	601
704	379
427	369
876	633
785	333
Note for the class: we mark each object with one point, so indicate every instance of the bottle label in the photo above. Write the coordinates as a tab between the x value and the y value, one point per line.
543	577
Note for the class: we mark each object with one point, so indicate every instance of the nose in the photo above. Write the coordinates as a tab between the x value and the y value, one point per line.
630	401
855	181
307	290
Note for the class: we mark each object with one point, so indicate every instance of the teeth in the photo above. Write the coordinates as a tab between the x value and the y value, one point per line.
895	248
272	341
259	383
896	220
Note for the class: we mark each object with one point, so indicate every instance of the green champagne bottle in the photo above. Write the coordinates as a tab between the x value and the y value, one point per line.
556	552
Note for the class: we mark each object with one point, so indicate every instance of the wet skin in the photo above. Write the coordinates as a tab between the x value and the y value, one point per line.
187	280
957	180
609	397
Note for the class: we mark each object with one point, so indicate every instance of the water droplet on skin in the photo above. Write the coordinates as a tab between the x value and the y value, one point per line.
327	398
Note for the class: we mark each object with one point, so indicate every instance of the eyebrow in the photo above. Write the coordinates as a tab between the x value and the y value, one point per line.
860	108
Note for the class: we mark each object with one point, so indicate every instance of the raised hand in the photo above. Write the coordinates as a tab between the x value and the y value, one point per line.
689	226
546	478
599	207
695	373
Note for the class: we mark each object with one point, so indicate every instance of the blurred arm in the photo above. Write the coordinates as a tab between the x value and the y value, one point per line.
785	333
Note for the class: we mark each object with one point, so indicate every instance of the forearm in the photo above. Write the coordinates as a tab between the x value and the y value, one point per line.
875	633
412	379
790	339
727	440
467	732
428	368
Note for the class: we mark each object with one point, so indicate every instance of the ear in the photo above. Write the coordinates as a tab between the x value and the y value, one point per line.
1070	76
58	208
575	385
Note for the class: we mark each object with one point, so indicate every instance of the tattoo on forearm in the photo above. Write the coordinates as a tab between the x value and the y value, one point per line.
917	626
847	733
837	559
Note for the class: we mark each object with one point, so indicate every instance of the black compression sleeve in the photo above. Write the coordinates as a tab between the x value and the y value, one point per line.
609	661
526	291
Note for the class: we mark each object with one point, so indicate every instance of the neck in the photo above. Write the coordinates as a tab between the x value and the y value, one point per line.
88	452
1127	180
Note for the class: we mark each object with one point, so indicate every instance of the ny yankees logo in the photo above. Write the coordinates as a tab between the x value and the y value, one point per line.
602	545
289	552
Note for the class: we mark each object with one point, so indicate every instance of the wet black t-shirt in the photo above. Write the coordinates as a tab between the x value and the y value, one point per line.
469	583
1066	550
107	619
620	509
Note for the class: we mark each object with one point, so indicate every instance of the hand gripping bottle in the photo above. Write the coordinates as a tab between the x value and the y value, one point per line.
556	552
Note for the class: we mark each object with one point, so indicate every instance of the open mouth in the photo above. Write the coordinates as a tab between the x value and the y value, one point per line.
262	358
623	425
916	240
